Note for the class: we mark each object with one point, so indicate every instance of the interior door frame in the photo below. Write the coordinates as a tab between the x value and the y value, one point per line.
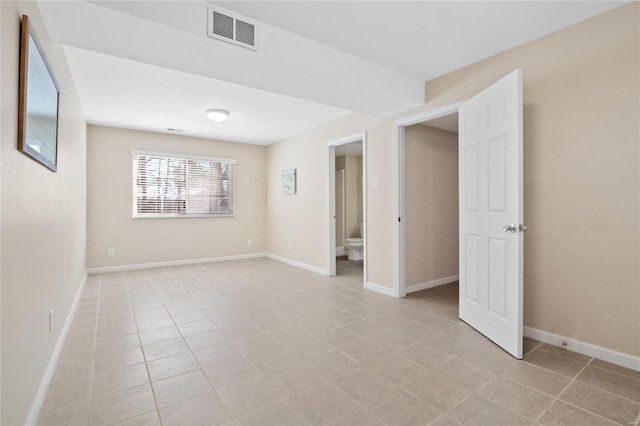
331	200
399	129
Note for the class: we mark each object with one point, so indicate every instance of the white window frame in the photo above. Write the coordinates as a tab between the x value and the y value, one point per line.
136	215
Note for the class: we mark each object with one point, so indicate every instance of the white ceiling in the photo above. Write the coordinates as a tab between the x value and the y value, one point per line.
120	93
422	39
149	65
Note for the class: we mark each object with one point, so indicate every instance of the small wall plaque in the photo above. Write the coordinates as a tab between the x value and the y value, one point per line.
289	181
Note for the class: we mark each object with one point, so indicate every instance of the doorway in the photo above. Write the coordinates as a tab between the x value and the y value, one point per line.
445	117
431	203
491	227
346	202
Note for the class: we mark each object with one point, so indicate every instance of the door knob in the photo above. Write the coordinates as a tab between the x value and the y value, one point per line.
510	228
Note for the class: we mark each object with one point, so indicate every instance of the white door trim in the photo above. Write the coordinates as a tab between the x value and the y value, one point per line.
399	127
331	200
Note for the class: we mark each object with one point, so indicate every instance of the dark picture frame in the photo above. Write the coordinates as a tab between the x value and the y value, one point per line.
38	102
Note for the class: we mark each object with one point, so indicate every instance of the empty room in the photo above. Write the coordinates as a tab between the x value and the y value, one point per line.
320	213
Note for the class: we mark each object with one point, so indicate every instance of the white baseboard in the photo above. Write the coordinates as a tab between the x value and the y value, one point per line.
173	263
432	283
34	411
340	251
380	289
609	355
296	263
123	268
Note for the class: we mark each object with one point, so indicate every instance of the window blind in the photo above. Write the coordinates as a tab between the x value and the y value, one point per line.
182	186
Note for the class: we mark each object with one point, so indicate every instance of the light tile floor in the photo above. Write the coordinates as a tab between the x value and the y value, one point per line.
258	342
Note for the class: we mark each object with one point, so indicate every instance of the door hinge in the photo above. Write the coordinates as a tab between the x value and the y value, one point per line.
398	220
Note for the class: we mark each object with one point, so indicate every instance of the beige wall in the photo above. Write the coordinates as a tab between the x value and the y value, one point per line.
341	164
139	241
352	166
431	194
360	194
1	135
581	179
351	178
43	253
302	219
582	192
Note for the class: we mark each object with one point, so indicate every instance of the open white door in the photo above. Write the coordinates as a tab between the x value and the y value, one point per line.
491	212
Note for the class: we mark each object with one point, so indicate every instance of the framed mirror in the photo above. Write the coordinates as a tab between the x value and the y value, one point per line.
38	101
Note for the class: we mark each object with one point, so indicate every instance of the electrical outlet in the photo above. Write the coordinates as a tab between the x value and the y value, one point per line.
111	252
51	320
249	243
289	245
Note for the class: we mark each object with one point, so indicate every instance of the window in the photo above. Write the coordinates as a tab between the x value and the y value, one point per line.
172	185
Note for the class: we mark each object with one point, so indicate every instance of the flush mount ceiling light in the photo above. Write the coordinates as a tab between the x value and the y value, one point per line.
217	115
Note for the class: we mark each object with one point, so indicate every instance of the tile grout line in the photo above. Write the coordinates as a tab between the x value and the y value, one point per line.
473	393
95	342
500	376
323	288
146	365
125	283
201	368
286	398
554	398
606	391
177	283
230	341
557	398
262	373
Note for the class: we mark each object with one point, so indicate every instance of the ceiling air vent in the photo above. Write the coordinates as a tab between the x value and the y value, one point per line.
232	29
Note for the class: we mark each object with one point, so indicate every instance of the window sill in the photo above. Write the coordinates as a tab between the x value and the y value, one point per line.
182	216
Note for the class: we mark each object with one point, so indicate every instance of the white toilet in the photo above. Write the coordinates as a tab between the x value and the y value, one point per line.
355	247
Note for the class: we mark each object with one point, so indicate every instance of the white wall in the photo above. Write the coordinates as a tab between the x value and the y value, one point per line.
42	223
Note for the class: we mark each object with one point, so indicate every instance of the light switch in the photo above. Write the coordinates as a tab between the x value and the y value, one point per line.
376	182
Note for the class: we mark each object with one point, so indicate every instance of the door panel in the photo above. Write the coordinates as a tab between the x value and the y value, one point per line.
497	276
490	167
497	148
471	181
472	267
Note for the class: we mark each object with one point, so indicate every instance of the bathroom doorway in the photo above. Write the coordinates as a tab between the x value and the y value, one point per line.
346	201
